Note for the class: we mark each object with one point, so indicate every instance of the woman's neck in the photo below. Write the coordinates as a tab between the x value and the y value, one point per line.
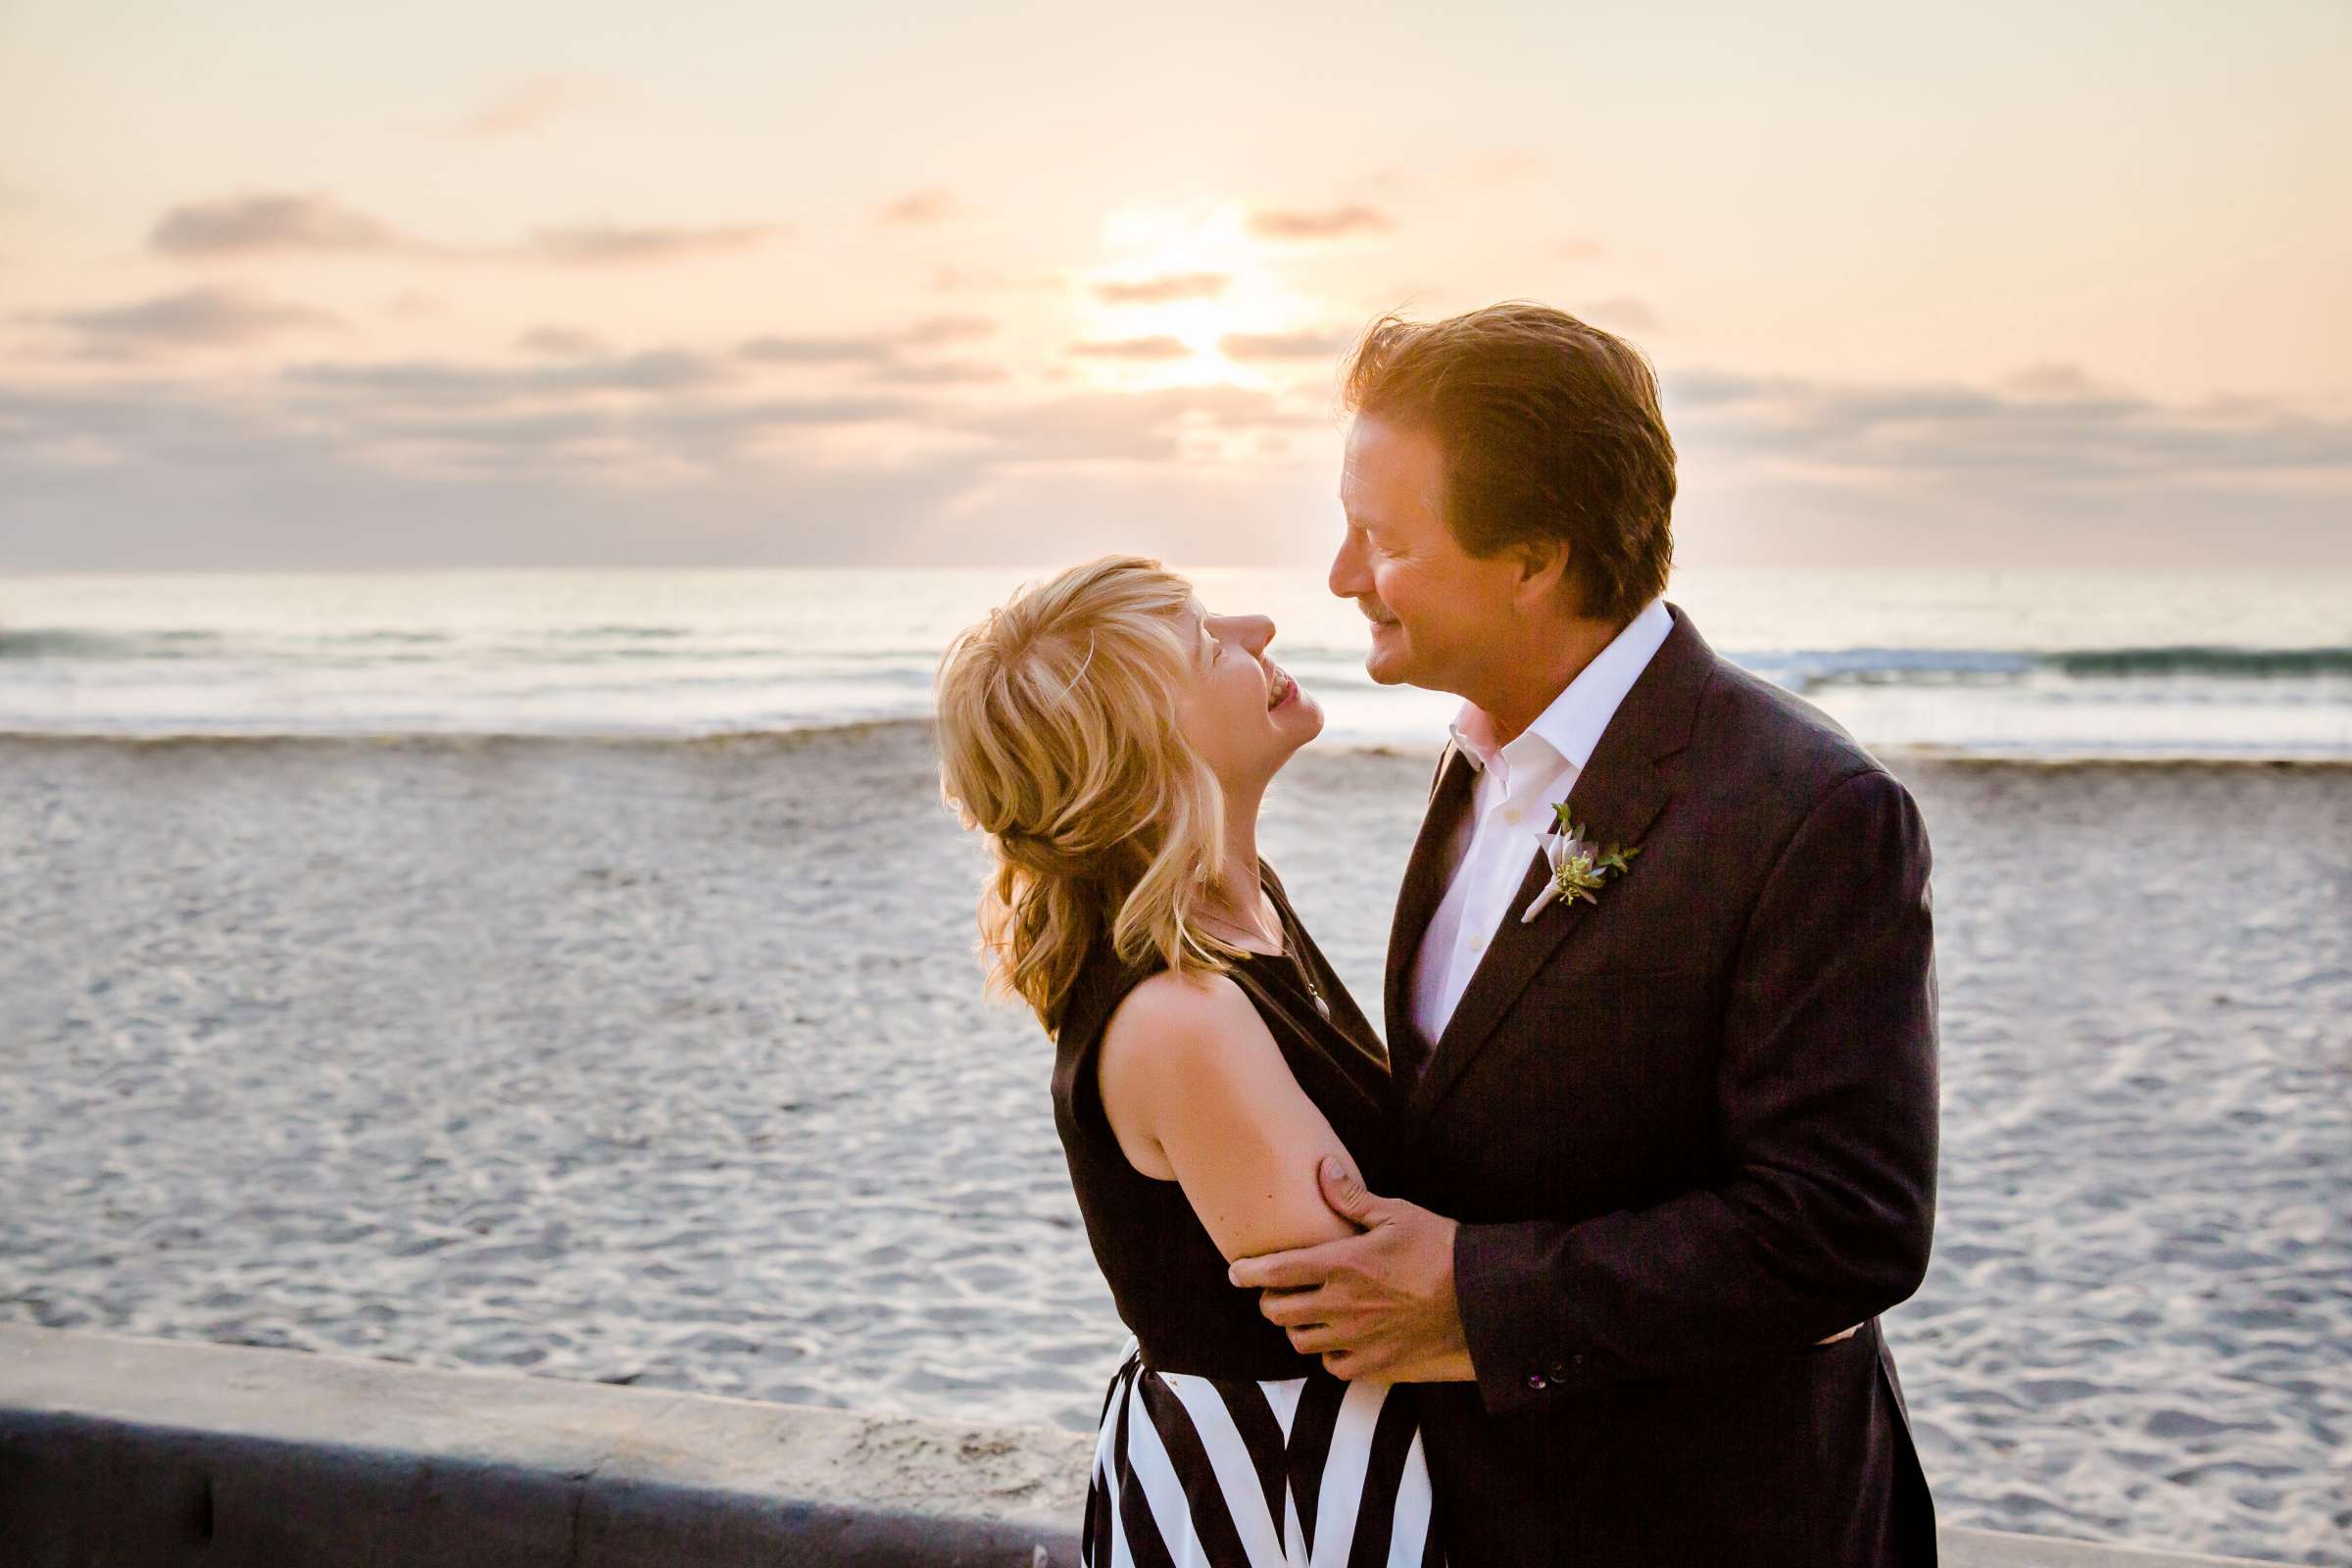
1236	893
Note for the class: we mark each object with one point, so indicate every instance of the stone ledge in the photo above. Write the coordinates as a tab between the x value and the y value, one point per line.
122	1450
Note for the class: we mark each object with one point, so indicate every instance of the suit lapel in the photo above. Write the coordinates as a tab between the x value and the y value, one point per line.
1423	890
1616	798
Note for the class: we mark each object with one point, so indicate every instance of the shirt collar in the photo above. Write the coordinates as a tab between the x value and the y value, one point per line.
1572	726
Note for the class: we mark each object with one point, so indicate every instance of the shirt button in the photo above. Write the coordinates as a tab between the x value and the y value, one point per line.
1560	1371
1511	815
1535	1380
1478	940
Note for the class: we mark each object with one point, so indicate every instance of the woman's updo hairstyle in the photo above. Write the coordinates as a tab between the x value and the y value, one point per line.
1059	740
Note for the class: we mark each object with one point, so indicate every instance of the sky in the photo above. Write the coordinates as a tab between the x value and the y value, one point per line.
596	284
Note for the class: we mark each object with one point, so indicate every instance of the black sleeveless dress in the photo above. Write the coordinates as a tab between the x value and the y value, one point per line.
1220	1445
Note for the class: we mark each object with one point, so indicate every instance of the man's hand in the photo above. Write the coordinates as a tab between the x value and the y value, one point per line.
1378	1305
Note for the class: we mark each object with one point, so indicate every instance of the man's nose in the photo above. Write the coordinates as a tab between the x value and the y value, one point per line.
1346	577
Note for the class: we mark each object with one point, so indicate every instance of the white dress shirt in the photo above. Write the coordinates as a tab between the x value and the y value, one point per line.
1510	811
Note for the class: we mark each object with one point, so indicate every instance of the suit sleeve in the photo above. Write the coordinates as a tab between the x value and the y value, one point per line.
1820	1211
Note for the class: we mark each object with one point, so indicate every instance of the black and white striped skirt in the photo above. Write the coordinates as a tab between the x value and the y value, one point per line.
1308	1472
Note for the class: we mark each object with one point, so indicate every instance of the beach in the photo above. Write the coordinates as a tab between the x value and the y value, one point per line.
664	1062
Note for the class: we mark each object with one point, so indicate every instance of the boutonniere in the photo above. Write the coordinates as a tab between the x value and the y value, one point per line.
1580	866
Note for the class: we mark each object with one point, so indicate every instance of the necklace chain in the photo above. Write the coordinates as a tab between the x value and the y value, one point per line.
1299	967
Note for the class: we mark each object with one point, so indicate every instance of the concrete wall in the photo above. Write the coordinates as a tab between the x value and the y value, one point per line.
140	1453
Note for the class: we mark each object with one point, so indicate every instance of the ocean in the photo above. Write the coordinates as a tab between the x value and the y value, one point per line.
2025	664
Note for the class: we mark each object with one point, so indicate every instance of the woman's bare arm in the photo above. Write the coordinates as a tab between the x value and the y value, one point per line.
1197	1093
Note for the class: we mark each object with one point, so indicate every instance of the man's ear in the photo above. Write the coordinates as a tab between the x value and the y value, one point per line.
1542	569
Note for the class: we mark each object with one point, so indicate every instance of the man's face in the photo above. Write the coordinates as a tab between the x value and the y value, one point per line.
1438	614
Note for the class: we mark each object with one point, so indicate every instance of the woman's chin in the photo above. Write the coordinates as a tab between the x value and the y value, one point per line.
1300	722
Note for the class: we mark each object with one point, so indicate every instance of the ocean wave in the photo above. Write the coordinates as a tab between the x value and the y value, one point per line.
2032	756
78	642
1332	665
1804	670
602	633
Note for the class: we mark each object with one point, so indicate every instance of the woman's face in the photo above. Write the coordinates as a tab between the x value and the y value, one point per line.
1240	711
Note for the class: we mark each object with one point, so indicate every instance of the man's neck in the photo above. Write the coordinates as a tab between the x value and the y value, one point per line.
1516	693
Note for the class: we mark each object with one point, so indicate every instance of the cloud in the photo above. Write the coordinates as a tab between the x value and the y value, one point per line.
1336	223
939	372
765	414
1577	250
919	209
197	317
1160	290
192	481
534	104
533	430
619	245
817	348
415	302
444	384
947	329
2007	446
2051	381
1621	314
314	224
882	353
561	342
1141	350
243	225
1145	427
668	456
1248	346
986	281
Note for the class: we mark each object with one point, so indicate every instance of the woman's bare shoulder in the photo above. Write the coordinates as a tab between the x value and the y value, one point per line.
1184	1021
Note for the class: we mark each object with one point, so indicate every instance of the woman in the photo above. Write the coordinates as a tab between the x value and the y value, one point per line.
1114	742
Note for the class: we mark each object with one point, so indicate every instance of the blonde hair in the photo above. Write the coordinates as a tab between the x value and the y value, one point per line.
1059	740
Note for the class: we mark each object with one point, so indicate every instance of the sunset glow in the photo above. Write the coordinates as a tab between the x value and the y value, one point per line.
588	285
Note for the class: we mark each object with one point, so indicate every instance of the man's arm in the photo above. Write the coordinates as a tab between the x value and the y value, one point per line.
1826	1098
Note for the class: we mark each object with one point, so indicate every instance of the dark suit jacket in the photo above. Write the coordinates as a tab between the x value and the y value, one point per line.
1689	1130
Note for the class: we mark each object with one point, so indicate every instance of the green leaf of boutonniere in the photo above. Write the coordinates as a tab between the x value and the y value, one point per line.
1618	854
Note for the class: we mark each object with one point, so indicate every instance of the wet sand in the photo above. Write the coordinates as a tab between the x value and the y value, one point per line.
664	1063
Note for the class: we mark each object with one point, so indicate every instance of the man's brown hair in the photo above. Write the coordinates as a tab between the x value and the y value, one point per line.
1551	432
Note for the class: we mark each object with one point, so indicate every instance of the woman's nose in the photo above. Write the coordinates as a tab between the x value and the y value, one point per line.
1252	632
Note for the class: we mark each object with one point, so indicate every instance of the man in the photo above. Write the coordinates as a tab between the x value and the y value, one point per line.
1665	1054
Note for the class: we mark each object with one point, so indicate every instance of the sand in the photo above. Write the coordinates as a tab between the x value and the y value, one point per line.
664	1063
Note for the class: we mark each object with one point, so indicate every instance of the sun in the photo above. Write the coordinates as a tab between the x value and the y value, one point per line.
1174	283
